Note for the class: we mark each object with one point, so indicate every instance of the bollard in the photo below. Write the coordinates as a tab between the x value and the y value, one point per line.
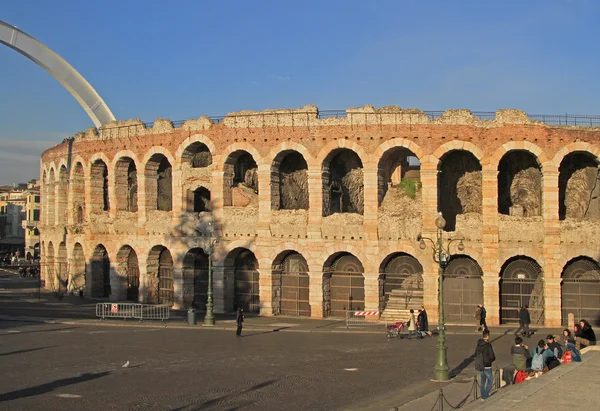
191	316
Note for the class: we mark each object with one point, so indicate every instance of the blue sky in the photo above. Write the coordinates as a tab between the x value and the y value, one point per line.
183	59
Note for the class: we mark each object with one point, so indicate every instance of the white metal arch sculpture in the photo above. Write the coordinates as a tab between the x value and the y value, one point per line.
54	64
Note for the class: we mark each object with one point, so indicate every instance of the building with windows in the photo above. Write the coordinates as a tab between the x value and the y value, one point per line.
19	214
318	212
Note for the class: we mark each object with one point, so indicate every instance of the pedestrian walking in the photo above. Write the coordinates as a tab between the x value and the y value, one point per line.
239	320
524	321
482	322
484	357
412	326
423	321
477	317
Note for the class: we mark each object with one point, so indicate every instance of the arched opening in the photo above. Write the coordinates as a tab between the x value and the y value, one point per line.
343	188
62	196
77	269
195	265
78	193
245	279
100	273
580	290
289	182
36	246
129	272
521	284
126	186
159	184
99	187
49	268
519	184
61	267
398	178
578	187
197	155
50	197
198	200
290	285
459	186
240	176
463	289
343	285
160	276
400	286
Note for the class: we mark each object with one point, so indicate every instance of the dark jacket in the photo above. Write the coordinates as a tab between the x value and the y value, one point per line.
520	356
422	320
483	313
588	333
239	317
485	348
556	349
524	317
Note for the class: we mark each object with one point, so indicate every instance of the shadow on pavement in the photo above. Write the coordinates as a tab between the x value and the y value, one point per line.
8	325
45	388
265	332
217	400
27	350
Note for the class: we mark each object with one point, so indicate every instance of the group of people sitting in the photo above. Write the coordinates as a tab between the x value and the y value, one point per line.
550	354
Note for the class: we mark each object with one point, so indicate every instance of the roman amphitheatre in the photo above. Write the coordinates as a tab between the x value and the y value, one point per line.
318	212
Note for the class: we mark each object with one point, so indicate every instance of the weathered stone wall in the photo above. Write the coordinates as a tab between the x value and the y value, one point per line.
468	188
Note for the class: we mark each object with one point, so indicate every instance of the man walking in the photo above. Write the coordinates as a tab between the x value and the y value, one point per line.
524	321
483	364
477	317
239	320
482	322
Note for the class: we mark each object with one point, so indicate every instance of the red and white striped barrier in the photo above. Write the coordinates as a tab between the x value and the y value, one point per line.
365	313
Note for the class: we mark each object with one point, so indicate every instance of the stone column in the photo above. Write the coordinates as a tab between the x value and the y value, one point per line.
219	290
112	194
88	279
551	270
265	290
490	233
371	292
263	227
88	198
116	288
177	193
315	292
370	204
143	287
430	293
315	206
429	182
216	195
178	289
188	290
141	195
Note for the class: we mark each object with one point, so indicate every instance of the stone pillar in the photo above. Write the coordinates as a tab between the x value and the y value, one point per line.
552	303
550	267
370	203
88	198
88	279
188	291
315	206
430	293
219	290
265	290
143	287
141	195
429	181
112	194
177	193
315	292
489	239
263	227
371	292
116	288
216	195
178	289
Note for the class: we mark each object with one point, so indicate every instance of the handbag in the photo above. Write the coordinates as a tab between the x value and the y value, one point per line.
567	357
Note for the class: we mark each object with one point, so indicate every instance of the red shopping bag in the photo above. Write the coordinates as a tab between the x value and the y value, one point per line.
520	377
567	357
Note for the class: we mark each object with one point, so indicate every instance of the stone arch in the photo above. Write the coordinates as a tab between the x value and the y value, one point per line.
195	267
521	284
77	187
160	276
400	284
290	282
158	183
100	273
392	164
62	196
199	200
533	149
196	155
99	186
289	181
343	182
463	288
246	289
240	179
459	145
180	157
578	186
580	290
77	268
128	271
50	199
126	184
520	184
459	185
343	284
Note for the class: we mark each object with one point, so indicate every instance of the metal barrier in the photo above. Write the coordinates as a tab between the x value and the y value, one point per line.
362	318
133	310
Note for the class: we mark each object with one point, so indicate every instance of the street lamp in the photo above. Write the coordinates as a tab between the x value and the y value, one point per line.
441	256
209	248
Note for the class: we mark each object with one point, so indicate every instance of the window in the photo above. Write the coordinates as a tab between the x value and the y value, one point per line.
37	199
36	215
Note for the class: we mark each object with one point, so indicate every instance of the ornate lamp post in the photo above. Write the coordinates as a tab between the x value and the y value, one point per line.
441	256
209	248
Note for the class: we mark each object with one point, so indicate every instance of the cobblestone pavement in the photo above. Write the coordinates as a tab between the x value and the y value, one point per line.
77	367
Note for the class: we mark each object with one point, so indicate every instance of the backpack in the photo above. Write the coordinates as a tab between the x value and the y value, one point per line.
537	362
479	361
